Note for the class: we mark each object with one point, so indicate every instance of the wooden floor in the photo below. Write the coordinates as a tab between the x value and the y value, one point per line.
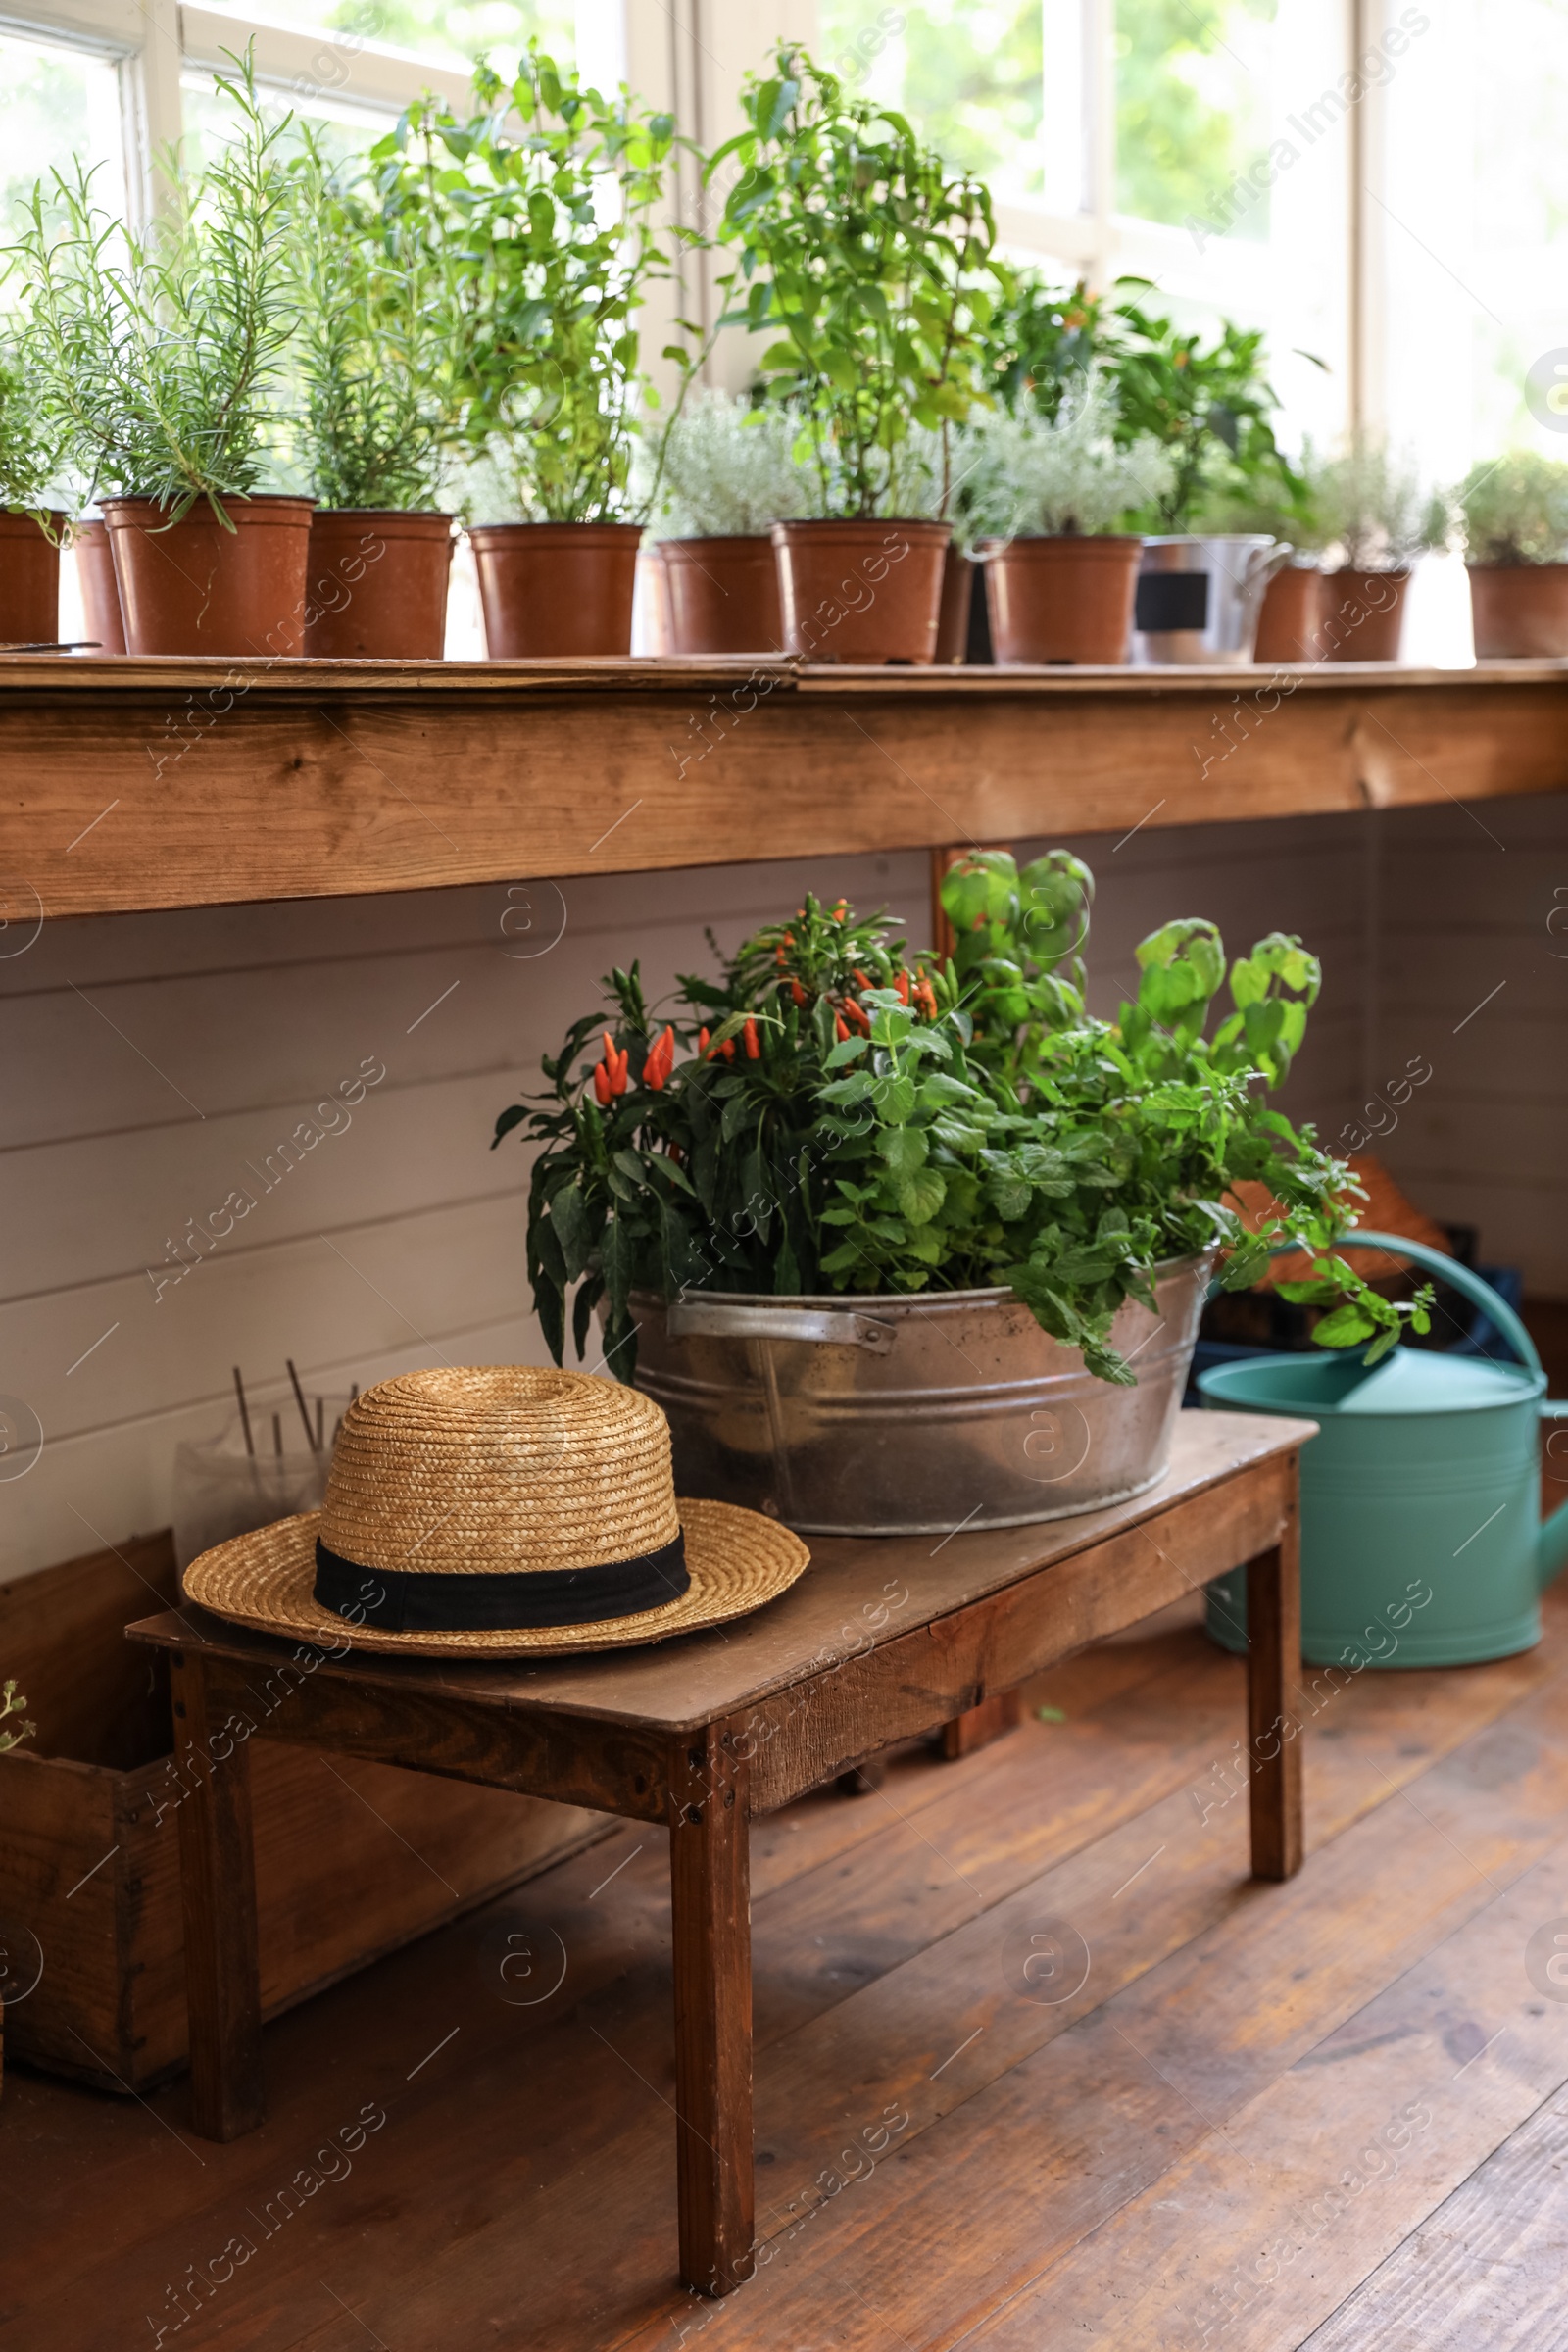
1333	2113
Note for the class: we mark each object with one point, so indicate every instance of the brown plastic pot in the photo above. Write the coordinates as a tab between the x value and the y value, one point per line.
953	620
193	587
722	596
1519	610
1061	600
29	580
100	591
558	588
861	591
1363	615
1291	614
377	585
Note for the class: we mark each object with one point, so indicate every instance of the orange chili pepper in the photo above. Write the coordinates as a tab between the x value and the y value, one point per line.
799	992
903	985
602	1085
843	1028
862	979
703	1035
728	1049
754	1046
660	1059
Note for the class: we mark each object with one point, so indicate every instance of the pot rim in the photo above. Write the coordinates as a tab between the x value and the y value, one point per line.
386	514
200	508
476	529
1075	539
859	524
864	1301
716	539
1557	564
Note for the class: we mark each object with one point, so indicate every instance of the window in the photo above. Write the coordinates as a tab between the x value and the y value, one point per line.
56	103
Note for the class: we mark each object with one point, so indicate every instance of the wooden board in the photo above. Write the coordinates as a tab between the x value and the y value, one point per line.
140	784
859	1596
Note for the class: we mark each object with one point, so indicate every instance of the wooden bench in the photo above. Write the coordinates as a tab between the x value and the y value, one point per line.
884	1639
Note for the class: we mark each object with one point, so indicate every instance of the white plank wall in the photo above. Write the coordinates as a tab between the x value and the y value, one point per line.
156	1062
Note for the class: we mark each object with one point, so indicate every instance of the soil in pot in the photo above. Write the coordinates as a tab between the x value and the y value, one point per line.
29	580
1288	626
1061	600
193	587
1519	610
1363	615
722	596
100	591
555	588
861	591
377	585
957	598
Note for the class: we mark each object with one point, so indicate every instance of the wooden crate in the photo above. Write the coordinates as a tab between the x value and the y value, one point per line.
352	1859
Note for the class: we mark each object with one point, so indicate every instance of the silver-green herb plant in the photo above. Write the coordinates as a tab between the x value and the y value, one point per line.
1376	512
157	352
1034	476
365	363
726	469
1515	510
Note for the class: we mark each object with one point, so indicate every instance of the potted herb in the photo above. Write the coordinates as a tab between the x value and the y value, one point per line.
365	367
1047	497
155	354
839	1150
860	251
1376	518
1514	514
537	218
30	525
725	473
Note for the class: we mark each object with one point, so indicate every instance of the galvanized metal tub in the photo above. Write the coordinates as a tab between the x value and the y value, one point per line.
889	1415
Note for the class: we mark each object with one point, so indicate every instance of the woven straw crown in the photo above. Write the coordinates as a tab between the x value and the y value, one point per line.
508	1468
548	1495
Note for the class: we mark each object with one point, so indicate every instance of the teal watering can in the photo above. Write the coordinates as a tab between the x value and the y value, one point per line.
1421	1535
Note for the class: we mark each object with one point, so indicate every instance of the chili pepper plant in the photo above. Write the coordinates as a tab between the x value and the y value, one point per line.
833	1113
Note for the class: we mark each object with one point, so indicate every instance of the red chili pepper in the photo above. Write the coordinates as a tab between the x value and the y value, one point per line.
702	1041
754	1043
730	1049
862	979
602	1085
842	1026
660	1060
903	985
799	992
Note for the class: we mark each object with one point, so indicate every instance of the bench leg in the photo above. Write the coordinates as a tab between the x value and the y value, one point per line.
218	1887
711	1901
962	1734
1273	1669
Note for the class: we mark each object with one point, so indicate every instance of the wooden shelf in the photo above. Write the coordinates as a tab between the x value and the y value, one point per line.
130	784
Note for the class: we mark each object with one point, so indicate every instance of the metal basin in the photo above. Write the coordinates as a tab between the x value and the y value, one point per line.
854	1415
1199	600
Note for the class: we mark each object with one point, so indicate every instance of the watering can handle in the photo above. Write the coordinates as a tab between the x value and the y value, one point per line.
1481	1294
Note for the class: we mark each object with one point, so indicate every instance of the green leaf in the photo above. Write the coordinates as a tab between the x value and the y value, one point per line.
904	1150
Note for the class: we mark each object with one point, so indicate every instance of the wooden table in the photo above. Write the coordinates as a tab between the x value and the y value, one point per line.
884	1639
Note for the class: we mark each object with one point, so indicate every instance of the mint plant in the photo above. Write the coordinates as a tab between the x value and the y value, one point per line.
849	1118
536	219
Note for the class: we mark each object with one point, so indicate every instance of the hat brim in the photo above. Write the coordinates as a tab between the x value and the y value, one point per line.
737	1561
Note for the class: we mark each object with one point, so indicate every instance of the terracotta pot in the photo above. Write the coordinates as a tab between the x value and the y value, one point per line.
1519	609
558	588
861	591
1363	615
100	592
377	585
957	597
192	587
29	581
722	596
1061	600
1293	610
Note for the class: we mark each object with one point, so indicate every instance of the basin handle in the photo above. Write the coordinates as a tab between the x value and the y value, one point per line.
722	1319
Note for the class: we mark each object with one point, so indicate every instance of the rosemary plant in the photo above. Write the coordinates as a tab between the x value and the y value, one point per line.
156	353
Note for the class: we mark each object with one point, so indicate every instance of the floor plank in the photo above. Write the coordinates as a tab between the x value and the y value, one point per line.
1486	2267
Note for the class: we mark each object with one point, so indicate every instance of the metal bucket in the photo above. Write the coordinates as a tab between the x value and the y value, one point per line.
1198	600
888	1416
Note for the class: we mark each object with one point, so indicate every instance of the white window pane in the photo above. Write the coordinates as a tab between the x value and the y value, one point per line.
1473	231
969	73
446	33
1232	122
56	104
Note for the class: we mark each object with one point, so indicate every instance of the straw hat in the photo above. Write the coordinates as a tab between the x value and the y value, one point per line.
499	1513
